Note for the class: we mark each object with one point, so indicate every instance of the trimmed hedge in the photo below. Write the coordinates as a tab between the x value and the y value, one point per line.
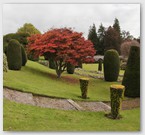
24	56
131	79
21	37
116	95
70	68
84	87
14	55
100	61
111	65
5	63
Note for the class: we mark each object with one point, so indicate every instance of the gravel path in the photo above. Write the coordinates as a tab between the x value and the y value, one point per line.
63	104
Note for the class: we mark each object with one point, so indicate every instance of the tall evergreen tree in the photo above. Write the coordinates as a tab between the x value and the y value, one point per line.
116	26
93	36
101	35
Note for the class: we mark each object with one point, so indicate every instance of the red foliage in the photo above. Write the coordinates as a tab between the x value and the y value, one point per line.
64	44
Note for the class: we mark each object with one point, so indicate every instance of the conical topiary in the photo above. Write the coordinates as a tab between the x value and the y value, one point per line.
14	55
131	79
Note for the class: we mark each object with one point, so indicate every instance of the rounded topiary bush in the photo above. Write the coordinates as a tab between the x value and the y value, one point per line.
70	68
24	56
14	55
131	79
111	65
5	63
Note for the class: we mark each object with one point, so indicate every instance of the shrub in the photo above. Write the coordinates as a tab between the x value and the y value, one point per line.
100	61
52	64
14	55
70	68
111	65
24	56
84	87
5	63
131	79
116	96
21	37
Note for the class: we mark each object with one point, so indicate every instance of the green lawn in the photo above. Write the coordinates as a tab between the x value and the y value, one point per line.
94	67
19	117
39	79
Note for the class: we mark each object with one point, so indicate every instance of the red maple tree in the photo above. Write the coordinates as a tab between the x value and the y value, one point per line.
63	46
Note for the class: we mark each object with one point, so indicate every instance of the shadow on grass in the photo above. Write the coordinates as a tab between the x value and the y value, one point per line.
40	72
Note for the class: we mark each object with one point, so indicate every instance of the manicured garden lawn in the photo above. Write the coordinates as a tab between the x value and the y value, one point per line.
39	79
94	67
19	117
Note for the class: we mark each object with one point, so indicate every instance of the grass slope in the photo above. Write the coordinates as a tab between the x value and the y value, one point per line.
39	79
19	117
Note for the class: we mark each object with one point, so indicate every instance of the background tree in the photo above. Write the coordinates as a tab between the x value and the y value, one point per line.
101	35
126	45
93	36
116	26
111	39
28	28
126	35
63	46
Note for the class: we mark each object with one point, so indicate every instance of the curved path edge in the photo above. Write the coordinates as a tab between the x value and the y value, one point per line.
48	102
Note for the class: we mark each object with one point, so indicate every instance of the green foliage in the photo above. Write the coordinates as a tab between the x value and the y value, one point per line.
70	68
84	86
100	61
93	36
5	63
116	25
24	56
28	28
131	79
14	55
111	65
52	64
101	35
21	37
116	95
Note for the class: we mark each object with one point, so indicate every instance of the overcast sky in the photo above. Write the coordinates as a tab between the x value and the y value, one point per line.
78	16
